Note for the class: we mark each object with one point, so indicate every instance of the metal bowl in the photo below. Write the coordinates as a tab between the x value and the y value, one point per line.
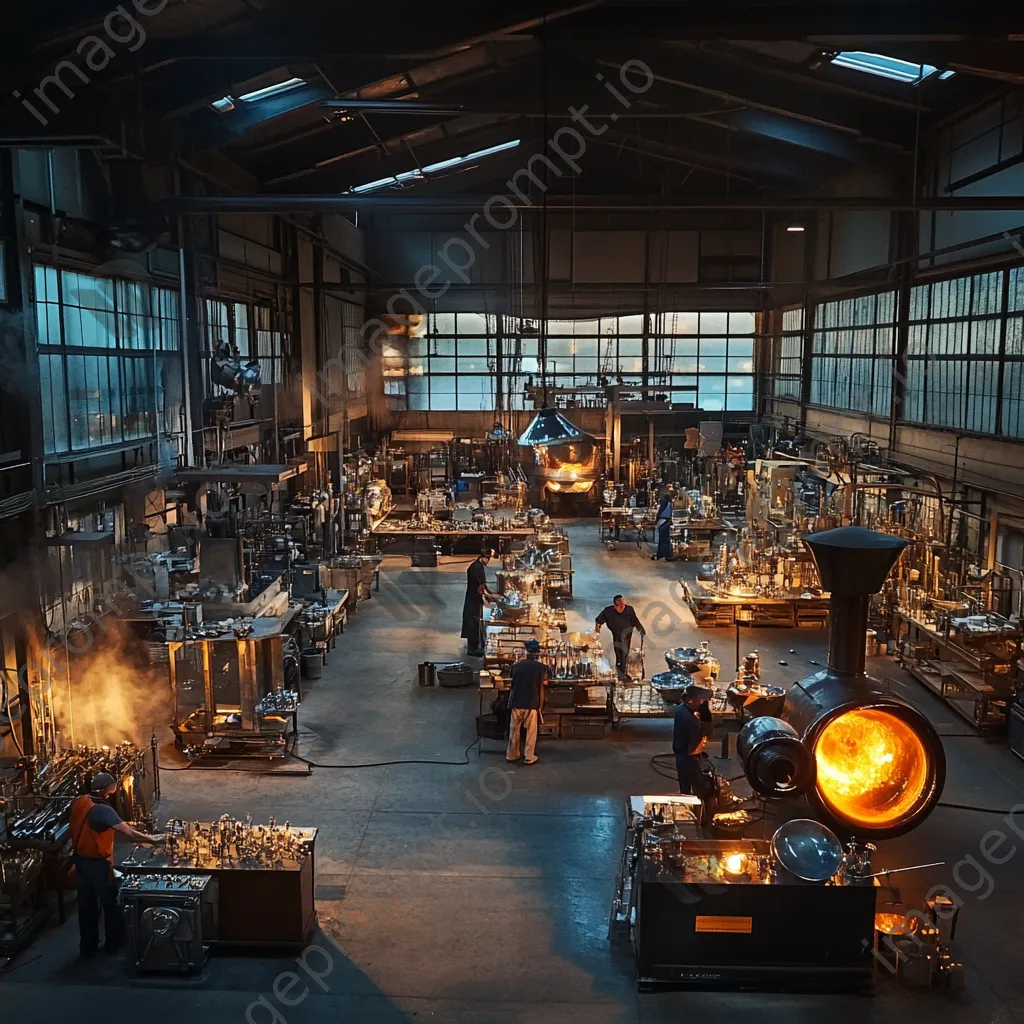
807	851
513	612
702	665
670	685
685	659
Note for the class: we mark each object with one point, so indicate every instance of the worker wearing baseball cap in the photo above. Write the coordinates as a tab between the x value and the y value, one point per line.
526	702
93	824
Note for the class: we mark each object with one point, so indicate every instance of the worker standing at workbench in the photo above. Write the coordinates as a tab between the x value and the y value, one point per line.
93	824
477	592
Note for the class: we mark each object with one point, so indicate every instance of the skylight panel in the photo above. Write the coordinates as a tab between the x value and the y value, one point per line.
893	68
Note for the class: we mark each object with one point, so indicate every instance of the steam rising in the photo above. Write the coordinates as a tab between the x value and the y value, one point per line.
103	690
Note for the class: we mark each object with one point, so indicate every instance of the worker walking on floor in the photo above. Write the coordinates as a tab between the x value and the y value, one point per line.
621	619
526	702
93	824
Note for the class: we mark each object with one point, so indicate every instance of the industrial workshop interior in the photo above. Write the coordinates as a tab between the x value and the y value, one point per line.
511	515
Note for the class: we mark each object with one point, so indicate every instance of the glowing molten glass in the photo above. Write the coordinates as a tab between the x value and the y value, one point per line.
873	769
735	863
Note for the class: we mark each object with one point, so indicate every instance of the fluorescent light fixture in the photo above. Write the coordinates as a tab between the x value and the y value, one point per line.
371	185
443	165
885	67
223	105
394	179
795	227
271	90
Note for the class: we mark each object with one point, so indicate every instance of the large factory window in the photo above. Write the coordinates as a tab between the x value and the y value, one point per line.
789	359
854	344
705	358
1013	366
107	353
953	353
268	346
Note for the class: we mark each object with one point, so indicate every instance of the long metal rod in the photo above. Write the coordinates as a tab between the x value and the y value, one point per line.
897	871
269	203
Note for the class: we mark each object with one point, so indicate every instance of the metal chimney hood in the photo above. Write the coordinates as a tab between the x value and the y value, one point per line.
549	427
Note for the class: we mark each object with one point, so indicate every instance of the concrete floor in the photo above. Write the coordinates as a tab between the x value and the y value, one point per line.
466	894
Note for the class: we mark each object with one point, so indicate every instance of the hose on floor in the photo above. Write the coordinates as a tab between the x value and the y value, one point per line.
383	764
316	764
978	810
665	766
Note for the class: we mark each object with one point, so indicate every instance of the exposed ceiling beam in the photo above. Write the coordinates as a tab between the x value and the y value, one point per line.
795	19
270	203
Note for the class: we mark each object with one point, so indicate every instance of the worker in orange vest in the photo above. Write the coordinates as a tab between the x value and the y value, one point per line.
93	824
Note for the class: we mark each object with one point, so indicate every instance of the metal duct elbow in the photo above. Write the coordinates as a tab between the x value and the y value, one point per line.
775	761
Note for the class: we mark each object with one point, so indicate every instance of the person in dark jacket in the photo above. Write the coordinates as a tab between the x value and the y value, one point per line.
689	737
621	619
93	824
663	528
477	592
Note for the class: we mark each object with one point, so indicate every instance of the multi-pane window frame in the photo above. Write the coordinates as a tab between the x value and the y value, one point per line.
706	358
852	353
102	362
788	357
954	349
461	357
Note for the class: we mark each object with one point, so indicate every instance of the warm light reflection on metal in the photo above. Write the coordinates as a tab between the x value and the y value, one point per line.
873	769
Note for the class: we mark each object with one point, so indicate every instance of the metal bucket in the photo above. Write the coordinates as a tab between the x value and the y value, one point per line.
312	663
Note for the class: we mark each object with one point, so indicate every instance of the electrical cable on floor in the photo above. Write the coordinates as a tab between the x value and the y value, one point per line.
979	810
383	764
315	764
668	760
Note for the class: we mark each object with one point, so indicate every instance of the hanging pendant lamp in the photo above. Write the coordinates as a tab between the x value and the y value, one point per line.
549	427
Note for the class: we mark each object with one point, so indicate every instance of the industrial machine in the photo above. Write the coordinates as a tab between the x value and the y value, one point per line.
873	765
732	910
709	912
167	917
229	695
567	460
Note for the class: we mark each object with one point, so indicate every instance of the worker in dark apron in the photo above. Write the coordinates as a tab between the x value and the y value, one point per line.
477	592
663	530
689	737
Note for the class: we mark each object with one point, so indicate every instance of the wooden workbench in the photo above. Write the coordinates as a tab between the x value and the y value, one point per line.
256	905
498	538
710	610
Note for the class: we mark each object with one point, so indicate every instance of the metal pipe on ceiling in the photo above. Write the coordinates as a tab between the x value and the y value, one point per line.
327	203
